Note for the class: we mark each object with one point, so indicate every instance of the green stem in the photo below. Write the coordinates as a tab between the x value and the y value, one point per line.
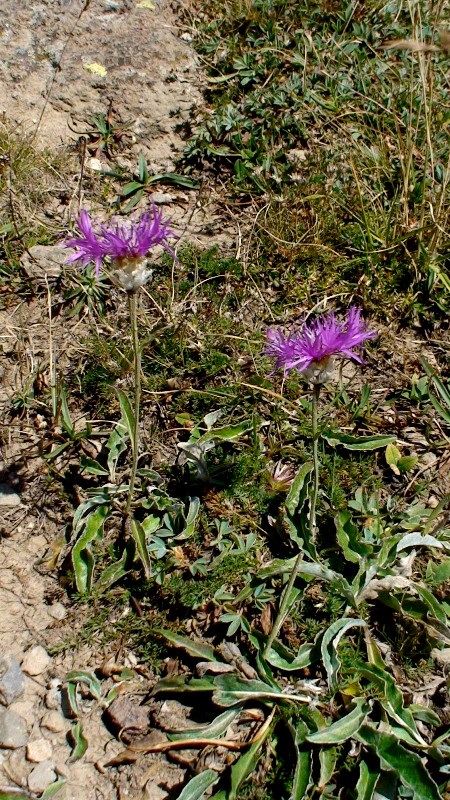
284	603
132	306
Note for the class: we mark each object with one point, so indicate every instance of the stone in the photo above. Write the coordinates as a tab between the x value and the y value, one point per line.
12	680
126	716
57	611
36	661
53	698
41	777
54	722
43	261
441	657
39	750
8	497
13	731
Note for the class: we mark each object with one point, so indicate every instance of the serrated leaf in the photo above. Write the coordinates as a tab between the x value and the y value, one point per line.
82	559
79	741
406	764
197	786
361	443
343	728
330	643
194	647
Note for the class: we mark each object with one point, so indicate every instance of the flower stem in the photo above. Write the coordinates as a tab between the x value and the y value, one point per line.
284	603
132	307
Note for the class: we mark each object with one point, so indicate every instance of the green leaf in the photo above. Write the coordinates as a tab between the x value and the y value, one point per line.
229	433
79	741
357	442
246	764
302	780
83	561
92	466
141	546
130	188
53	789
407	463
307	654
343	728
116	446
195	648
330	644
327	760
392	700
127	414
143	171
296	492
72	698
366	782
93	684
197	786
180	683
7	795
439	573
406	764
214	730
191	518
232	690
393	455
114	572
348	537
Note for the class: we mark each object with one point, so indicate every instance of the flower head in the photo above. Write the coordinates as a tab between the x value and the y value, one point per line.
126	242
312	349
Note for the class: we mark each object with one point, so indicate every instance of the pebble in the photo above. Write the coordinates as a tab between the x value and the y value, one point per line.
39	750
54	722
13	732
36	661
43	261
42	776
12	680
8	497
57	611
53	698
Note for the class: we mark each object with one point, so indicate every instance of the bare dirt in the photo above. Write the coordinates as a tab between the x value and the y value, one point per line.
61	63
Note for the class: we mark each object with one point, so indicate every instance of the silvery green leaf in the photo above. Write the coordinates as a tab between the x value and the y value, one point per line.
330	643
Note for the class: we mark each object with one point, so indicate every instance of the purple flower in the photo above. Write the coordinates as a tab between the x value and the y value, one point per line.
311	350
119	239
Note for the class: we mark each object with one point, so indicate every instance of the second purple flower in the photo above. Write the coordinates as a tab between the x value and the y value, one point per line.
311	350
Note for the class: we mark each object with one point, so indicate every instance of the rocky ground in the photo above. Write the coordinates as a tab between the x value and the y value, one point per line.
61	63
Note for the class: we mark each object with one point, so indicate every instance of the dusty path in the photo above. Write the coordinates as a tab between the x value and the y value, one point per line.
63	61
